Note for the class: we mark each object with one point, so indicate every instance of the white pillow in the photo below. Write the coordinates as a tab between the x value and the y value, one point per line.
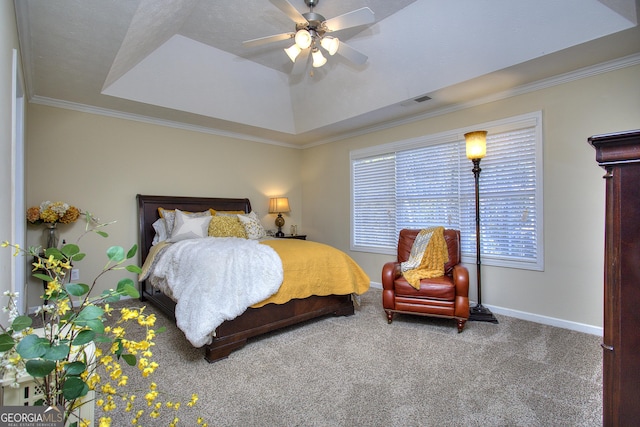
252	226
189	227
170	214
160	226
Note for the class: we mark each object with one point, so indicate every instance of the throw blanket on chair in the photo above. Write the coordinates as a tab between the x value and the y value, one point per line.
428	256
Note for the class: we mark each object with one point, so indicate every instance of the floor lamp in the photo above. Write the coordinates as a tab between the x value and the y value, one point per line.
476	150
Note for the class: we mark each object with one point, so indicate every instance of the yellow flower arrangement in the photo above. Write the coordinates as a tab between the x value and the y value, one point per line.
53	212
77	352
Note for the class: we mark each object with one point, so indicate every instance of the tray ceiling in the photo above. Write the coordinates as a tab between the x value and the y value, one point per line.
182	62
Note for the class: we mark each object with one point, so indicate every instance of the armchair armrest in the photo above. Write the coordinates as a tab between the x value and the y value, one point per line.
461	280
390	272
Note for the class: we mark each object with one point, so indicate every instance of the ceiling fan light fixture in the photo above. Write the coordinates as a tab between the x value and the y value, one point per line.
292	52
330	44
318	58
303	39
310	31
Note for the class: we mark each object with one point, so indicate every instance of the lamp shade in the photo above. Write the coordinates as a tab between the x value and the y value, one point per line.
303	39
476	144
331	44
318	58
279	205
293	51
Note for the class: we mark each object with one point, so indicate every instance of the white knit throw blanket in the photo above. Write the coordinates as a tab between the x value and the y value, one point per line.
417	250
215	279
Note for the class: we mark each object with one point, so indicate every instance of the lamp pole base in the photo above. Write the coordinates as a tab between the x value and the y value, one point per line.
480	313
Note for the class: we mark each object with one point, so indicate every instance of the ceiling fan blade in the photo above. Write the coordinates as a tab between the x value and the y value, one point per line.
288	9
352	54
301	62
354	18
269	39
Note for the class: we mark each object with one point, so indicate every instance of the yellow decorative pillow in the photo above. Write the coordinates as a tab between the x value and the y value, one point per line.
226	226
229	212
161	211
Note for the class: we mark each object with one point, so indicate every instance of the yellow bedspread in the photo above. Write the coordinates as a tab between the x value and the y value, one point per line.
312	268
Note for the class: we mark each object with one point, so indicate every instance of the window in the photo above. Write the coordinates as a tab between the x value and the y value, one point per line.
428	181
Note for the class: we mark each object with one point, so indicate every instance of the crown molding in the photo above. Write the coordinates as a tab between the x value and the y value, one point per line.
51	102
582	73
605	67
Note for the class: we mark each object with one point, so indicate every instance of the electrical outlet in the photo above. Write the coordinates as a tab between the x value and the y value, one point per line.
75	274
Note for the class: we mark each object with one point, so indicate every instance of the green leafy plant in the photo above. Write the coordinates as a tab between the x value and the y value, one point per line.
77	351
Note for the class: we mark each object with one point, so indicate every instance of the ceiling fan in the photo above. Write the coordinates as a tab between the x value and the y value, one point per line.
311	34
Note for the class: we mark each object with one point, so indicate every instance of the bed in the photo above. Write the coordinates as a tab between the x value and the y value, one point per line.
258	319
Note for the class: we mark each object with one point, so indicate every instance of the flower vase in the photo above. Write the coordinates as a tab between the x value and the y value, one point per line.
51	235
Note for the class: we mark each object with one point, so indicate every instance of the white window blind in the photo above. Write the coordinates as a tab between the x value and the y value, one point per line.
507	199
428	182
373	181
427	187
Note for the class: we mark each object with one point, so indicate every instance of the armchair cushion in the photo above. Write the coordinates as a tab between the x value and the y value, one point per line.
440	288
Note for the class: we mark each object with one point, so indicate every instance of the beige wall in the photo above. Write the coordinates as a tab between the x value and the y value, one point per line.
99	164
570	288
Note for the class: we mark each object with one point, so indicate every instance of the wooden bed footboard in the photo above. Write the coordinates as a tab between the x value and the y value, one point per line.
231	334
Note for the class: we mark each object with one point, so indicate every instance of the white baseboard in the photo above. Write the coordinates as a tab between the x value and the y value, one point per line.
537	318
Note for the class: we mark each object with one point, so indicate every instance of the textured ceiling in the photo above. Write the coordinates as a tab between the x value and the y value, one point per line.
182	62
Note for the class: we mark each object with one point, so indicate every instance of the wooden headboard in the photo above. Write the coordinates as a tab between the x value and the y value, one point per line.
148	212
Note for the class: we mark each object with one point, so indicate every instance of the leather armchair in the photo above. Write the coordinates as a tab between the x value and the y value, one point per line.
446	296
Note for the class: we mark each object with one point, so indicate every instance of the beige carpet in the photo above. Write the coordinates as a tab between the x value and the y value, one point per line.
361	371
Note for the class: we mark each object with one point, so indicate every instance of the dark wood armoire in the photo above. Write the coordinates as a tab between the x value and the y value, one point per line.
619	154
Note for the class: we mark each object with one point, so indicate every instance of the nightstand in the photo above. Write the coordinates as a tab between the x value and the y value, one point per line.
297	236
